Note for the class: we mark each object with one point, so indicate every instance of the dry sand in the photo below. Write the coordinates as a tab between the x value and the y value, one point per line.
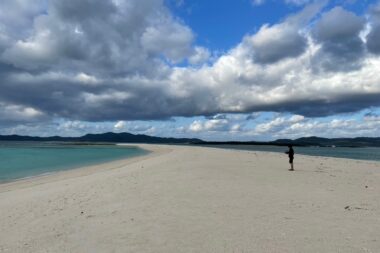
195	199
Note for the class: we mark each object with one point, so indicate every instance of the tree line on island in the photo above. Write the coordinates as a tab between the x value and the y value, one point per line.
140	138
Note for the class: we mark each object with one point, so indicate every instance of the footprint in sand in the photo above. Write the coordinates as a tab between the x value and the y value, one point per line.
350	208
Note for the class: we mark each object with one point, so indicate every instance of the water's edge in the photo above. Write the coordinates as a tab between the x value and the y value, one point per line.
10	175
363	154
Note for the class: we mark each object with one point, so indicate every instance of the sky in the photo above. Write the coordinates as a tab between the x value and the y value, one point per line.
217	70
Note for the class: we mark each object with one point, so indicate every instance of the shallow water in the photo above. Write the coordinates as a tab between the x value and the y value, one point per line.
367	153
26	159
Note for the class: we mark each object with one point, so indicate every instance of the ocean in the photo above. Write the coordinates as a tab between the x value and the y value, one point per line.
26	159
365	153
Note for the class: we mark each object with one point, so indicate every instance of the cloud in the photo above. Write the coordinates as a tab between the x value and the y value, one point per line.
280	41
297	126
120	125
291	2
279	126
127	60
276	125
16	114
172	40
272	126
253	116
16	17
373	36
218	123
336	127
196	126
103	37
210	125
258	2
134	127
199	56
121	46
272	44
337	32
298	2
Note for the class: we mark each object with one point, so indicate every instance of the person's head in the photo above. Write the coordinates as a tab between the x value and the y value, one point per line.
290	146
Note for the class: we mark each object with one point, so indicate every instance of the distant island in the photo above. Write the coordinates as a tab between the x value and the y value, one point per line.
104	137
140	138
312	141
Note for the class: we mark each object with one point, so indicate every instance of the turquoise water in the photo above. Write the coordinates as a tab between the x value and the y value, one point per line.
371	154
20	160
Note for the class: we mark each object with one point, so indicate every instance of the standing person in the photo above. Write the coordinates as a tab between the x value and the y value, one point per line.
290	153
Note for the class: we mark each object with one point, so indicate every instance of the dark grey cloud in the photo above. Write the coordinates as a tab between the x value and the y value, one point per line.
84	10
16	17
373	38
107	100
45	64
101	37
272	44
341	47
13	114
337	25
346	103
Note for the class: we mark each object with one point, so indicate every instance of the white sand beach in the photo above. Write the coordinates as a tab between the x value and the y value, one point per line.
197	199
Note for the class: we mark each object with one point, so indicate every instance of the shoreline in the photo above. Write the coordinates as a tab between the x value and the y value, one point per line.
85	164
154	150
299	155
79	171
